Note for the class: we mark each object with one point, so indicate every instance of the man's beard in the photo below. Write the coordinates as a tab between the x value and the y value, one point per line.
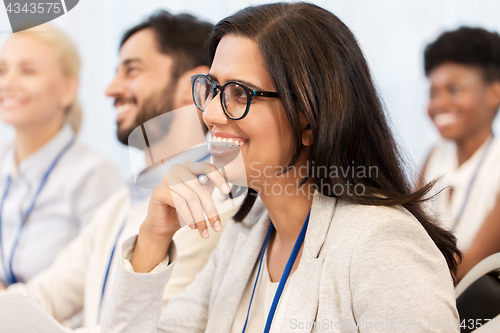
154	106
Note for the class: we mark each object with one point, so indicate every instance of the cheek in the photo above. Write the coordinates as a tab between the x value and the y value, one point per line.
473	108
430	112
44	98
270	140
142	90
49	92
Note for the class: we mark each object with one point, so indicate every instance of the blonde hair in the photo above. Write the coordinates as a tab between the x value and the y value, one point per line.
70	62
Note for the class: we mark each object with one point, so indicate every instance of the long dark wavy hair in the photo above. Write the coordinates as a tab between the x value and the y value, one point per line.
321	75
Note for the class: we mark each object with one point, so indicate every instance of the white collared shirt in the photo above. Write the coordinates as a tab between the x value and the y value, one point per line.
485	188
78	184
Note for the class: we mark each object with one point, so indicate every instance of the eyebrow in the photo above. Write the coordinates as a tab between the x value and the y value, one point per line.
251	85
23	62
129	61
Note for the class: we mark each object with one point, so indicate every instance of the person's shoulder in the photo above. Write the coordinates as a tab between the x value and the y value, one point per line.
384	230
439	161
496	146
89	158
4	149
114	205
372	212
357	219
89	166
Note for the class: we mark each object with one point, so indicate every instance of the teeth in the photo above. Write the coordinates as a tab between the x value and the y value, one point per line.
222	143
10	102
444	119
124	107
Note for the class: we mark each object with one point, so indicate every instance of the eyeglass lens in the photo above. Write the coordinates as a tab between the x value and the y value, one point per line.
234	97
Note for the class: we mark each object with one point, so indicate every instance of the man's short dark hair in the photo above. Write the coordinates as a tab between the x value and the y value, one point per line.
466	46
182	36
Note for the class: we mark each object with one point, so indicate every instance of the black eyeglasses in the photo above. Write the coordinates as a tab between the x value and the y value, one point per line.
235	97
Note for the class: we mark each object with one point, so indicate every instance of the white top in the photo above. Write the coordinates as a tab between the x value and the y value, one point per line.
261	303
443	162
79	183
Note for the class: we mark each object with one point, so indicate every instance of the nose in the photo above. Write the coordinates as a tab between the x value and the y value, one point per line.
439	102
214	114
8	80
116	87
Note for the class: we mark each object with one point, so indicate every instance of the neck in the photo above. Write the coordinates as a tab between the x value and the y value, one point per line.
468	146
31	138
288	212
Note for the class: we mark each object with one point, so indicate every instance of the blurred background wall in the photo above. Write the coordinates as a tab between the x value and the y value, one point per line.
392	34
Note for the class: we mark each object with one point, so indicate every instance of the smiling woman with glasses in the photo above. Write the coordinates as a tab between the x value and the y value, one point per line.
235	97
309	249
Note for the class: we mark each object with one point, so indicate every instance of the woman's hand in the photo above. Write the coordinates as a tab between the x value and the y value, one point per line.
184	201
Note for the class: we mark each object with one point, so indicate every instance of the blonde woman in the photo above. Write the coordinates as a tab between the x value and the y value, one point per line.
50	184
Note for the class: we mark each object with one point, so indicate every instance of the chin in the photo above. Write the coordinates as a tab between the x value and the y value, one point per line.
123	134
12	119
233	169
450	134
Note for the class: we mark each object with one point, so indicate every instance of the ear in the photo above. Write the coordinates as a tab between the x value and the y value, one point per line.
183	94
494	95
70	92
307	134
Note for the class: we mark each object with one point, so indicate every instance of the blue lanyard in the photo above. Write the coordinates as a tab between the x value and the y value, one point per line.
8	271
109	264
471	184
284	276
204	158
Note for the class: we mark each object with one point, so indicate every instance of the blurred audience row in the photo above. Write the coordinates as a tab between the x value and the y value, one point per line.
65	210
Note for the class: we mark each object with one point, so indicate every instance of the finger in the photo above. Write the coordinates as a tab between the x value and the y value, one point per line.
212	173
183	211
205	197
202	229
190	197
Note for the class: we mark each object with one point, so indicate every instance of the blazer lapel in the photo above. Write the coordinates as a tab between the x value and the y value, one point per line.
246	252
303	302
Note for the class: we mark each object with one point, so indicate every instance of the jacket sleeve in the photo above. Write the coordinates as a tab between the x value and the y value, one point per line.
193	253
136	303
400	280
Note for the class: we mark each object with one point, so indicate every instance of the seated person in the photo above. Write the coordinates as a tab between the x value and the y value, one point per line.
290	89
153	77
50	183
463	68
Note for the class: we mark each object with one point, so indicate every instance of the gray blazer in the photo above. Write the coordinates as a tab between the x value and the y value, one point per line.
363	269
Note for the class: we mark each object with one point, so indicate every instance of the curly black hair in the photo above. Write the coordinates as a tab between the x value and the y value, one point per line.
466	46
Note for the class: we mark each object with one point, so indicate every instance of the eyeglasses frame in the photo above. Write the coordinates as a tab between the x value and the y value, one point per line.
216	88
